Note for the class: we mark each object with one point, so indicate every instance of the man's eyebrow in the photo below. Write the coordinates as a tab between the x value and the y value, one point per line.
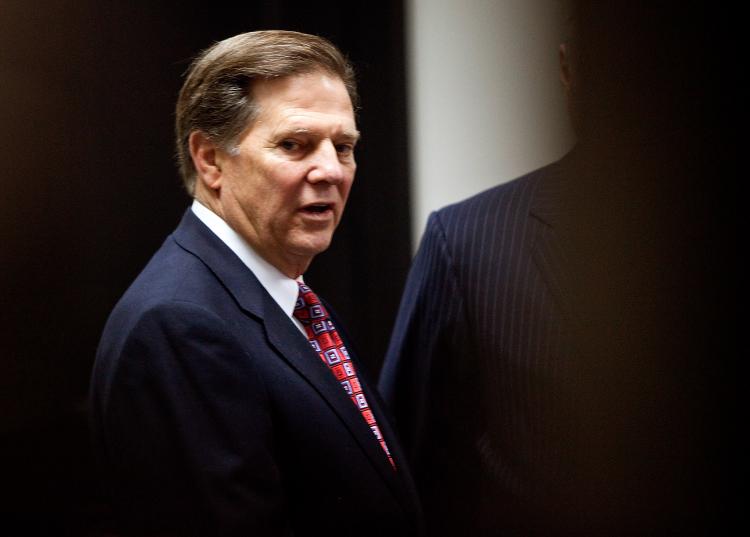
352	134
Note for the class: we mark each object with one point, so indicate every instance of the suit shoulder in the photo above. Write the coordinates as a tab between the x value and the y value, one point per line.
515	196
173	275
491	210
173	287
157	317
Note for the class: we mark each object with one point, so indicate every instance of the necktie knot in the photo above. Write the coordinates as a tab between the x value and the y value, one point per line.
308	308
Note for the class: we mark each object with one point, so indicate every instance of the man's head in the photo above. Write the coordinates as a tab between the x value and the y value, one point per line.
266	135
216	98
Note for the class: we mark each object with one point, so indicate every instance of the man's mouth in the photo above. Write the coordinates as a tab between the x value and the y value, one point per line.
317	208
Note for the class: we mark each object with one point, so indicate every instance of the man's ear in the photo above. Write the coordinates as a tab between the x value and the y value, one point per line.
204	154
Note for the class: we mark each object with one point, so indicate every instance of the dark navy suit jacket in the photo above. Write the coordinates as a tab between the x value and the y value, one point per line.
553	369
212	415
474	371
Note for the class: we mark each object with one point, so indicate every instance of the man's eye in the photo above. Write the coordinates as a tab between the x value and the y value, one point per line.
290	145
345	149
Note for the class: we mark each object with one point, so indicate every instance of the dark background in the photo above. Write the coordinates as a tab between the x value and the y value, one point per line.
90	191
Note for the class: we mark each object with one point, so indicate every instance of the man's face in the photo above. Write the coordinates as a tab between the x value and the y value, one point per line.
285	187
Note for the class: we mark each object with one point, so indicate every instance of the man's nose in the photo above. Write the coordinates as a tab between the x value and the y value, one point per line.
327	165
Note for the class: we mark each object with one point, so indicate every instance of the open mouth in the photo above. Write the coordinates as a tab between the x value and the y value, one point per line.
317	208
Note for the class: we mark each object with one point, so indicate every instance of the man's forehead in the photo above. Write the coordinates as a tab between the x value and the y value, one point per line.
311	104
294	86
311	122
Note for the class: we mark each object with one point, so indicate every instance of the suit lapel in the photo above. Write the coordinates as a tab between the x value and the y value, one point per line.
407	490
284	337
296	350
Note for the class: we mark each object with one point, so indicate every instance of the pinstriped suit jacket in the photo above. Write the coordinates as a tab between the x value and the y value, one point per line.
475	370
557	366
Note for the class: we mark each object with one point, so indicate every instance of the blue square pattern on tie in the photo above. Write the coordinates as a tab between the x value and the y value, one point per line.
361	401
347	387
332	356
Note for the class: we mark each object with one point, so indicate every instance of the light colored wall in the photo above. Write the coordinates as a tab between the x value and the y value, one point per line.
485	99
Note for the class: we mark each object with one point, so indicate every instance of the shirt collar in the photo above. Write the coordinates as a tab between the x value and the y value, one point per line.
283	290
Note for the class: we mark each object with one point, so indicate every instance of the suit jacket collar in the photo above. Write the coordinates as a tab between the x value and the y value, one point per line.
548	207
552	188
291	345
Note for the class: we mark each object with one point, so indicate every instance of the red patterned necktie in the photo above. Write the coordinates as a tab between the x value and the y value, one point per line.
325	339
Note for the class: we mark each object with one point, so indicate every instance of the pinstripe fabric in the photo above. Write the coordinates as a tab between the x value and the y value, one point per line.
476	365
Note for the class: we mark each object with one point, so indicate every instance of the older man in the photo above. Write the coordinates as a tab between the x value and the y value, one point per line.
225	401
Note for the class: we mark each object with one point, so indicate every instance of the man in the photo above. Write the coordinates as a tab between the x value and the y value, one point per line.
225	401
549	369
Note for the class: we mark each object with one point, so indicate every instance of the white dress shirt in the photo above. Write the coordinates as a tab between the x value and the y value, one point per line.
283	289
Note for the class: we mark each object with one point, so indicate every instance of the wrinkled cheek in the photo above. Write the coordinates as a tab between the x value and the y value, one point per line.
284	222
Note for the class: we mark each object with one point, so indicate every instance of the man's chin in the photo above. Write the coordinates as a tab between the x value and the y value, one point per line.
311	245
